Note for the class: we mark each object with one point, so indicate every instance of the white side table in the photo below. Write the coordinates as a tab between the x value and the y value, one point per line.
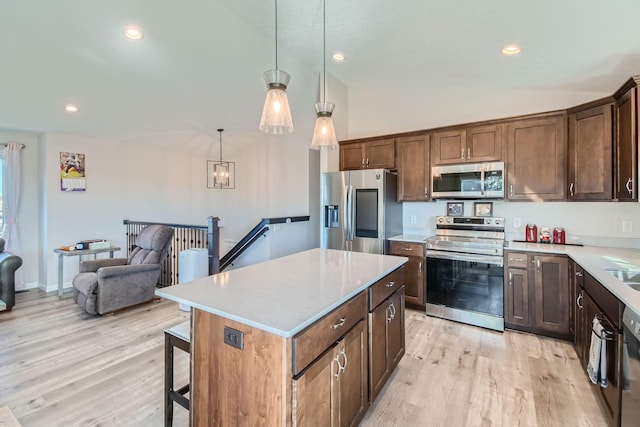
62	253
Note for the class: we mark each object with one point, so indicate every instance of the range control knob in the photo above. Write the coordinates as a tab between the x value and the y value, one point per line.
441	220
449	220
497	221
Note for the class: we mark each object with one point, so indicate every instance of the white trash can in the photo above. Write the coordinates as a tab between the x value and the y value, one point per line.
192	264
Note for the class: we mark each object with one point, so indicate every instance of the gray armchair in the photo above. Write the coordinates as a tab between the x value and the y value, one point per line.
9	263
106	285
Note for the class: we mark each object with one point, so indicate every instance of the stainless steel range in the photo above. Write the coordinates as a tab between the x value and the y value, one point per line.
465	275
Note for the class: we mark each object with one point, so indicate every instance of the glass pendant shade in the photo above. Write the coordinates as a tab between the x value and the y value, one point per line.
324	135
276	115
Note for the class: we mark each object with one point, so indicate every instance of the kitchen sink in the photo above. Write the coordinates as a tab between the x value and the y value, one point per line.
629	277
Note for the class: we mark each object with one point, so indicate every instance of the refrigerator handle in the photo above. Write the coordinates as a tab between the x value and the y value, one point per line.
345	214
352	220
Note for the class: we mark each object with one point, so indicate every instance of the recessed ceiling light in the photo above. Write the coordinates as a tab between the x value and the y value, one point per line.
133	33
338	57
70	108
511	49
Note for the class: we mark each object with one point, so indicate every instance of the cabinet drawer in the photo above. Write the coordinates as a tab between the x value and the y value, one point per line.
384	287
406	248
314	340
517	260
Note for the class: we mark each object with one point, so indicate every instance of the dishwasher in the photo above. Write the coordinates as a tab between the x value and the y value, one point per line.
630	406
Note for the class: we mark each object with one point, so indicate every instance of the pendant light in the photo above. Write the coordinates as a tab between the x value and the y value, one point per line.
221	173
324	135
276	116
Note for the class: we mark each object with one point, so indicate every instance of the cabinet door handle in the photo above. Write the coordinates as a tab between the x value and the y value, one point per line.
571	189
340	323
363	162
462	153
510	279
578	273
510	190
579	301
628	186
407	249
367	162
344	354
388	314
538	263
468	153
393	311
426	191
391	284
516	259
340	367
420	267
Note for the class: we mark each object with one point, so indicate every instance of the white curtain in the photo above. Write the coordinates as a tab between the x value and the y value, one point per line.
11	187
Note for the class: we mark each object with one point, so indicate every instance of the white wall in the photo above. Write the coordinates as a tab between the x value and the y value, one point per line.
598	223
139	182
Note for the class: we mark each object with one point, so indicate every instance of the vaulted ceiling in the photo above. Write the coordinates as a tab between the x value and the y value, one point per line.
200	63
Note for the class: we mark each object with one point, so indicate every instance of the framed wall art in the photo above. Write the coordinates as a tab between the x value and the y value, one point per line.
455	208
483	208
72	172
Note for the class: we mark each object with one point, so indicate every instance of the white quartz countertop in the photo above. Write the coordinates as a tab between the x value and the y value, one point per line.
285	295
596	260
411	238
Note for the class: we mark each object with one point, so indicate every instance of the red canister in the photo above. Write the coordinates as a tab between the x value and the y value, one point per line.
558	236
531	233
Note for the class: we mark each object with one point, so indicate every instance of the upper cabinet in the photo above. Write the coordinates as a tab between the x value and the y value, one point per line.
413	168
471	144
590	153
536	158
626	142
376	154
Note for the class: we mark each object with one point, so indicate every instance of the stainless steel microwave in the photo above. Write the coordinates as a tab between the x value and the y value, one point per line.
468	181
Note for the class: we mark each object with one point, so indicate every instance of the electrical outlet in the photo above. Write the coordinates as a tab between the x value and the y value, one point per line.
233	337
627	226
413	219
517	222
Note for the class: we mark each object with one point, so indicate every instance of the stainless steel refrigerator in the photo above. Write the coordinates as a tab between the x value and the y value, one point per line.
360	210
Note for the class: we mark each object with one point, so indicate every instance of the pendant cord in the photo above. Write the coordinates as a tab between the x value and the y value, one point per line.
220	131
324	49
276	1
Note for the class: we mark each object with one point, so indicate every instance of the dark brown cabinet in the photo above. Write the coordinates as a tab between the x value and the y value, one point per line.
626	141
472	144
517	291
590	154
537	293
551	273
414	270
387	341
375	154
333	390
413	168
536	158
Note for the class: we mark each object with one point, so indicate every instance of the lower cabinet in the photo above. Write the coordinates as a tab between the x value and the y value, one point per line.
594	301
537	293
333	390
414	270
387	340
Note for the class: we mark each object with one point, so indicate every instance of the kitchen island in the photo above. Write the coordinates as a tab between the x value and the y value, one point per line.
285	342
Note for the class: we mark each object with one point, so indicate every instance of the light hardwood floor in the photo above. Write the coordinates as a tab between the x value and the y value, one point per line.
62	367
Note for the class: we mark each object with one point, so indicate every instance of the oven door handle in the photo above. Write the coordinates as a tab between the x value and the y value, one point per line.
456	256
